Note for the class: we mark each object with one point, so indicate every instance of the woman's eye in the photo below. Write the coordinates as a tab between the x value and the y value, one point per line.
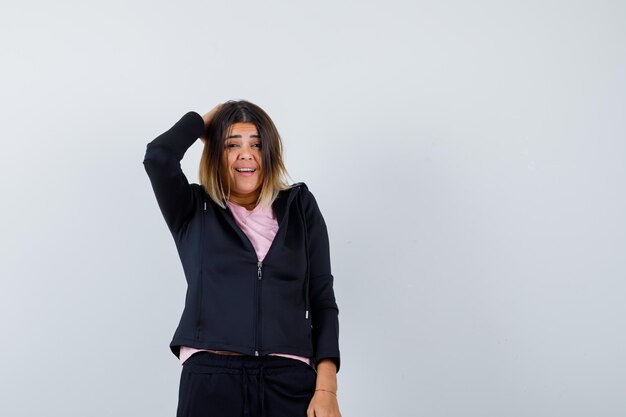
232	145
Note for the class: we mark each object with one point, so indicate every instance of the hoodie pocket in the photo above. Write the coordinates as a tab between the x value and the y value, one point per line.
199	302
200	283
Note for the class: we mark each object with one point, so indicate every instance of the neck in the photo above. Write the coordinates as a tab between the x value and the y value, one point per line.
247	201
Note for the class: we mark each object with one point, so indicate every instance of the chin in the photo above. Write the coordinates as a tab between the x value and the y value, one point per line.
246	190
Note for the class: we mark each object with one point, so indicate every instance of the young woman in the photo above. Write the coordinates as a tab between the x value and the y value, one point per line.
259	331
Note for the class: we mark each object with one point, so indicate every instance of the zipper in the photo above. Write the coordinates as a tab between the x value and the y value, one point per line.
257	333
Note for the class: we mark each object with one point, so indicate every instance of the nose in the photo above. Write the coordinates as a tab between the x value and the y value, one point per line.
245	153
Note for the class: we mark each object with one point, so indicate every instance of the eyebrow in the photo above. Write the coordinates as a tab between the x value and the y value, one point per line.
239	136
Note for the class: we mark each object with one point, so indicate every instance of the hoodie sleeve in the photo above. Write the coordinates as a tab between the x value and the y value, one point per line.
173	192
324	310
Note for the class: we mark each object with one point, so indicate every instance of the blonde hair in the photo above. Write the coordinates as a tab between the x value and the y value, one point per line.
274	171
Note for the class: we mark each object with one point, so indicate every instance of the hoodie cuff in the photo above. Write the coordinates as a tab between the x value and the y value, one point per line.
326	336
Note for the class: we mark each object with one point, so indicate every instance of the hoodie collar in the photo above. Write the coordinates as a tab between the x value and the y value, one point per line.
281	206
284	200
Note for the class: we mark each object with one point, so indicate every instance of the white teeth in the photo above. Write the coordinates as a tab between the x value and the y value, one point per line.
245	169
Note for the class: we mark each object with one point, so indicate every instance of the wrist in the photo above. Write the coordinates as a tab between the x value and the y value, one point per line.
326	390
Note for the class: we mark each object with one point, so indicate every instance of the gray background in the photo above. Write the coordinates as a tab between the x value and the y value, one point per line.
469	159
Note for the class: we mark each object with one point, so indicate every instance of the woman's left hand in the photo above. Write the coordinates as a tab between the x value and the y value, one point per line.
323	404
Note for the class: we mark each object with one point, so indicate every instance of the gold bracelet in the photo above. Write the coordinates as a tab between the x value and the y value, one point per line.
326	391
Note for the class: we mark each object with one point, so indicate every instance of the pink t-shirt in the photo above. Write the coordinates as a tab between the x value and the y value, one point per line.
260	225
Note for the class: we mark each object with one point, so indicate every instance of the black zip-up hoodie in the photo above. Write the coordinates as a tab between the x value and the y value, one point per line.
235	302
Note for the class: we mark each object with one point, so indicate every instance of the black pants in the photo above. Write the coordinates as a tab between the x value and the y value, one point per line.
214	385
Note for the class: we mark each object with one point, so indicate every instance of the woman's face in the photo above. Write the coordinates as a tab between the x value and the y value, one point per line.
242	149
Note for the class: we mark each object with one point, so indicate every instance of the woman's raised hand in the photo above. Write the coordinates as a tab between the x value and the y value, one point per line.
207	117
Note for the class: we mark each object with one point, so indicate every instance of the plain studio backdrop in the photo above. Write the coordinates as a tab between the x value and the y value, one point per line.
469	159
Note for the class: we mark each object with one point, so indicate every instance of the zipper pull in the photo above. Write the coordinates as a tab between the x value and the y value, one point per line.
306	314
205	205
256	353
259	263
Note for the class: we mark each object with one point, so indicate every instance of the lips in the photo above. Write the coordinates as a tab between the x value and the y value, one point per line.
245	171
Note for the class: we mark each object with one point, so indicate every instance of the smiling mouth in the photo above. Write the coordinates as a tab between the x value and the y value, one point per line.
245	169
